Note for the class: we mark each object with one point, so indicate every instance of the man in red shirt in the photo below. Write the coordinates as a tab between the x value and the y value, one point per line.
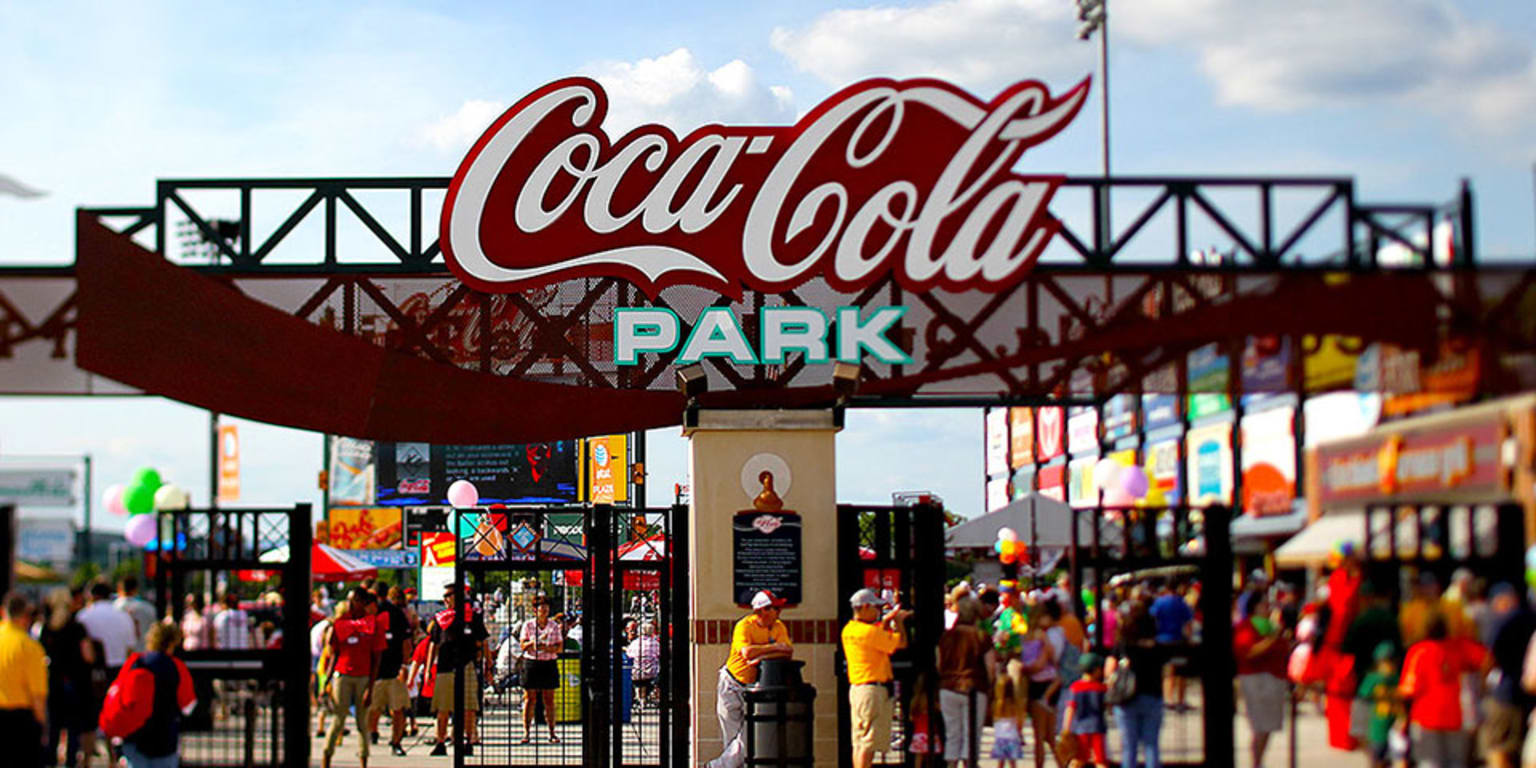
354	661
1431	682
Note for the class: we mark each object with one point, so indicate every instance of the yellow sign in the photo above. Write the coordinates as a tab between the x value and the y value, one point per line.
1329	362
608	469
365	527
229	464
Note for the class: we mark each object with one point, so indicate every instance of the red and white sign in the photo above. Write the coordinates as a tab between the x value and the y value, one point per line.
909	177
1053	482
1269	462
1461	459
1049	431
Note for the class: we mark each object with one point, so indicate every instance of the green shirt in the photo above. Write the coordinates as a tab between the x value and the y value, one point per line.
1377	688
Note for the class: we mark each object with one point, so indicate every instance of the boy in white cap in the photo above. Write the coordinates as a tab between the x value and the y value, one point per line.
868	642
757	636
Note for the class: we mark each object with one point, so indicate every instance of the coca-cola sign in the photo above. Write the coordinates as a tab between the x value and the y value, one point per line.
910	177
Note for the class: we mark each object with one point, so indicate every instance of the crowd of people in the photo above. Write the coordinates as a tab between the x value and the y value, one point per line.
96	662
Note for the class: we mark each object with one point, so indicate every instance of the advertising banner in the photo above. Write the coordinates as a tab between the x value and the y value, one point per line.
229	464
1081	491
1269	462
391	559
1021	437
1266	360
41	487
1452	378
997	493
997	441
1022	483
1210	464
1050	433
351	476
1209	374
1159	410
1163	461
1083	431
1462	460
1328	362
45	540
365	527
608	469
1120	417
418	474
1053	482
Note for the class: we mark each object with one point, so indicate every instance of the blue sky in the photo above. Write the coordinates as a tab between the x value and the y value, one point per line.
99	100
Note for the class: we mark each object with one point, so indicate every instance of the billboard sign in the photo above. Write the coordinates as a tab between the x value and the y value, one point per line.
39	487
229	464
1050	433
997	441
1021	437
608	469
418	474
1269	462
365	527
1210	464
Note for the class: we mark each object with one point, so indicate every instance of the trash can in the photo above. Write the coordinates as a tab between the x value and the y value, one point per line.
779	718
568	695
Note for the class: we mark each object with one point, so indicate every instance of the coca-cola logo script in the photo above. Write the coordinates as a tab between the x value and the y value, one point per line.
912	177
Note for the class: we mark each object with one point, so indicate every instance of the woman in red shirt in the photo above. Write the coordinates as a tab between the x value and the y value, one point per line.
1431	683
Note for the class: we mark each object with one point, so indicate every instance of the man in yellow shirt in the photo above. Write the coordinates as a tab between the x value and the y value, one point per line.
756	637
868	642
23	685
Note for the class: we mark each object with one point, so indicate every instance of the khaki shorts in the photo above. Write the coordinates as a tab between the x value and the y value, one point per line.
1503	728
389	695
870	707
442	694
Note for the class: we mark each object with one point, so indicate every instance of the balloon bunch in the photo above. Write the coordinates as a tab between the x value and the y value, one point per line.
137	499
1341	551
1009	548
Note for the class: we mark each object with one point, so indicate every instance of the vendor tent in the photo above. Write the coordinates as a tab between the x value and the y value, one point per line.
1039	520
327	563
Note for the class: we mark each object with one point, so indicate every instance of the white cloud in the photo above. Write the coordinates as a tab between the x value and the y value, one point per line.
979	44
456	132
1311	53
676	91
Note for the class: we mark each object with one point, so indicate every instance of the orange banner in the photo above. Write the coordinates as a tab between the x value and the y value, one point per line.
229	464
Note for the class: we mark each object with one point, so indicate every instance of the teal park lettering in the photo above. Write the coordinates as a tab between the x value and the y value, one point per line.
844	337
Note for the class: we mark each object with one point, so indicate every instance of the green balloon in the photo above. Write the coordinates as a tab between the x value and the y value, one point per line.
148	478
139	499
1263	626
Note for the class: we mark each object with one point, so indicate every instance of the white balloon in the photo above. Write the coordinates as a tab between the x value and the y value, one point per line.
1106	473
171	497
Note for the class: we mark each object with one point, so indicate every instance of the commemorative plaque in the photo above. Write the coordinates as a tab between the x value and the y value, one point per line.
766	543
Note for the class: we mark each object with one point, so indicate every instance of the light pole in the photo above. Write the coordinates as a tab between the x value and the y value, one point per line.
1094	15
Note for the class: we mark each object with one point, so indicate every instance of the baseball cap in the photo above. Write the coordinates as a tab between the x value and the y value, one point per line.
866	596
765	599
1090	660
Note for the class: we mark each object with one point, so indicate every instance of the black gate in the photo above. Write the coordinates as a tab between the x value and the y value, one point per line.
900	550
1121	550
606	572
253	701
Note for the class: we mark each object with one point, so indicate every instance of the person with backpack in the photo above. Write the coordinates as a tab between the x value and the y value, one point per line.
147	701
1136	687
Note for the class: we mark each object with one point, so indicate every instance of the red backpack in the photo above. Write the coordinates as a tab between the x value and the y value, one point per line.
129	703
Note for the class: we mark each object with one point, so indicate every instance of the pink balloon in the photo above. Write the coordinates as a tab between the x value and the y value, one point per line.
1134	482
463	494
112	499
141	529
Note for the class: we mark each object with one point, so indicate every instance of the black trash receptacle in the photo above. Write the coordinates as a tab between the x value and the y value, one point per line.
779	718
